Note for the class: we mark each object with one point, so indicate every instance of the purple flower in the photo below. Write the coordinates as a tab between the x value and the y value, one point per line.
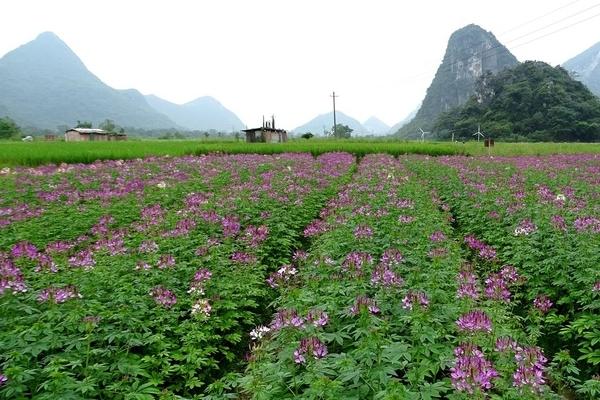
231	226
316	227
148	246
363	232
163	296
364	303
299	255
525	227
255	235
3	379
467	284
58	295
309	346
437	236
391	258
485	252
11	277
471	371
406	219
287	317
318	318
510	274
505	343
166	261
596	287
354	262
413	298
542	303
530	368
384	276
24	249
474	321
84	259
559	223
242	258
497	288
199	280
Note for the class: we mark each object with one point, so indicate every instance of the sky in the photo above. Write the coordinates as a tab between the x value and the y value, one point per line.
281	57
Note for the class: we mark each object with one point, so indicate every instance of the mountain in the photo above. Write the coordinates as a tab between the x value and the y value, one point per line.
324	122
471	51
532	101
204	113
403	122
375	126
44	84
587	68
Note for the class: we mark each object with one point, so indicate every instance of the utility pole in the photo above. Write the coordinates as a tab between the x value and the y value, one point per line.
334	119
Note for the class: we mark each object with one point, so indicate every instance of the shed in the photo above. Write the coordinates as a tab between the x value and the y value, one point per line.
266	133
90	135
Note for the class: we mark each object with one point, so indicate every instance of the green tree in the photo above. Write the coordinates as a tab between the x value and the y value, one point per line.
342	131
307	135
83	124
9	129
108	125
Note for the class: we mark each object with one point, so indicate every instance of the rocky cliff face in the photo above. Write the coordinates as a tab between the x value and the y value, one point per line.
585	67
471	51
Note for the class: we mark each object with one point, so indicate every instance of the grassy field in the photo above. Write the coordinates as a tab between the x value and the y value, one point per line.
39	153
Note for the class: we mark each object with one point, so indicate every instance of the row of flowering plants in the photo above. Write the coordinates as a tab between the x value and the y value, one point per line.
542	216
139	279
383	304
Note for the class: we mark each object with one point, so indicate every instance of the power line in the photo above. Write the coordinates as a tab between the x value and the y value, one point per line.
540	17
500	45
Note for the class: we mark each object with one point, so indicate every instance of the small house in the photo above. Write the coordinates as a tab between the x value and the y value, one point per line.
267	133
92	135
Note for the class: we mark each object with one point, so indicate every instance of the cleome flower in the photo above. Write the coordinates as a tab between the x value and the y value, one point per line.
259	332
471	371
531	364
201	307
309	346
474	321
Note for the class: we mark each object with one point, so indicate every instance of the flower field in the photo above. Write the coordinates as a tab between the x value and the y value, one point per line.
298	276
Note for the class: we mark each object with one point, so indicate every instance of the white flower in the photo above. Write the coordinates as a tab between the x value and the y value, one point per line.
259	332
161	185
5	171
202	306
561	197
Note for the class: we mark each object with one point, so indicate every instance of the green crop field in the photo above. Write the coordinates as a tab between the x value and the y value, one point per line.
40	153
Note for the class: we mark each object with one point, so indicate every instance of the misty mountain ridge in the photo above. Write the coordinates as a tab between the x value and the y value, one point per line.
324	122
44	84
203	113
586	66
471	51
375	126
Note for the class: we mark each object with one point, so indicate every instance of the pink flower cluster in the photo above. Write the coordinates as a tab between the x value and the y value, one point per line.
309	346
485	252
11	277
542	303
58	295
199	281
474	321
531	364
163	296
364	303
413	298
471	371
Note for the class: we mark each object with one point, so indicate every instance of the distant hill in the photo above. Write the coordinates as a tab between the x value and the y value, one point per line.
532	101
587	68
44	84
375	126
204	113
325	122
394	128
471	51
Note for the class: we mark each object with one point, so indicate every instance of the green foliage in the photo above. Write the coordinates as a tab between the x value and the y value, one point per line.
83	124
341	131
532	101
9	129
307	135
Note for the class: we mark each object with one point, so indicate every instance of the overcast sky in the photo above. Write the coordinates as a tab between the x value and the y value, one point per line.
286	57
